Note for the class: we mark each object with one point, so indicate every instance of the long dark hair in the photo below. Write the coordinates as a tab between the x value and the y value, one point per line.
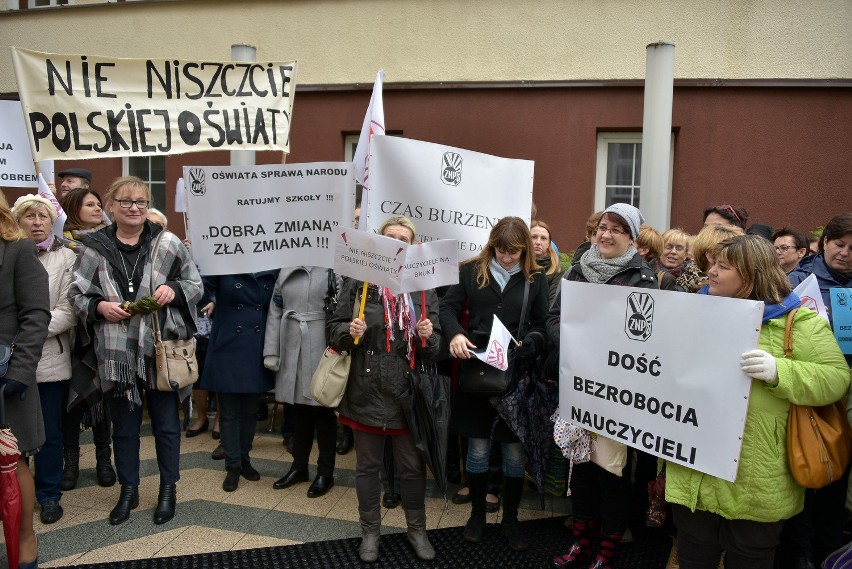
72	203
510	234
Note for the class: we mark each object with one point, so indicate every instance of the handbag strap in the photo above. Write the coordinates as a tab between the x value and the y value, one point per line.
788	334
523	310
331	289
154	250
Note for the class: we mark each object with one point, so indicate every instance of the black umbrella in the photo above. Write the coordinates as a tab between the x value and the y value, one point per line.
526	409
427	411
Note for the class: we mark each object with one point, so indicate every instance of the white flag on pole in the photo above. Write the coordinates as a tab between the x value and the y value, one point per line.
374	123
180	196
44	191
497	352
808	291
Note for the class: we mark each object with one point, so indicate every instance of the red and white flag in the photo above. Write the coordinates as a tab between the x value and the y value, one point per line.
374	123
808	291
496	353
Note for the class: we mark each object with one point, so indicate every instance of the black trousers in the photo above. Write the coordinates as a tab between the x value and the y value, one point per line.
598	494
71	426
237	424
307	421
369	457
703	536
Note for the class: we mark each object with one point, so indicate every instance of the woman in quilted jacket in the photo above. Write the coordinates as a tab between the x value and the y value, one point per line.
744	518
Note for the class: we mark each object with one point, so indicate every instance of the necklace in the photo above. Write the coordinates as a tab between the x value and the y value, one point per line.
133	272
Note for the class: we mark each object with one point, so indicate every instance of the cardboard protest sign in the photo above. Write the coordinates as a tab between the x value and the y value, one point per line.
626	372
394	264
88	106
449	193
16	161
245	219
841	316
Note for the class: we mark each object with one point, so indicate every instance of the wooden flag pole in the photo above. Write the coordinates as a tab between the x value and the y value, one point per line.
361	309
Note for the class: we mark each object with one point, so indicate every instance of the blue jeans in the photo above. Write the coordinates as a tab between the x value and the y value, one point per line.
48	461
479	450
165	425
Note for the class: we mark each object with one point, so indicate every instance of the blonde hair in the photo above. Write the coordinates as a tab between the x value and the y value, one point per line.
399	220
708	238
509	234
550	253
592	224
127	181
9	228
753	257
649	238
677	236
160	214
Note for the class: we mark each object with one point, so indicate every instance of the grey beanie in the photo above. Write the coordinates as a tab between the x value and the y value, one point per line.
631	215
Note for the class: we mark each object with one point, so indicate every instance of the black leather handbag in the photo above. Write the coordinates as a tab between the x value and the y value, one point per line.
476	376
6	351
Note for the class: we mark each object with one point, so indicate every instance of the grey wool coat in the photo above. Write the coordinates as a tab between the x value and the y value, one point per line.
295	330
25	309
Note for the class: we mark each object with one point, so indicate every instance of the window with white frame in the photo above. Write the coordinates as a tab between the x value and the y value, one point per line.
152	169
48	3
618	172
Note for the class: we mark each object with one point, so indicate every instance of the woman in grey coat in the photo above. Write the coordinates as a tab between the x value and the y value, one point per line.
24	318
295	341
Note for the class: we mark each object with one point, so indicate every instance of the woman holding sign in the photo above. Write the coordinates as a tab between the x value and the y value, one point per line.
385	343
496	283
116	266
599	487
744	518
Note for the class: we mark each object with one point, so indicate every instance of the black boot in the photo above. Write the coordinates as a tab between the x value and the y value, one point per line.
103	467
70	468
165	504
475	526
512	489
127	500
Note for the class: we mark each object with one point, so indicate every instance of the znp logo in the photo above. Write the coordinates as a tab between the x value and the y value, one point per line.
640	316
451	168
197	185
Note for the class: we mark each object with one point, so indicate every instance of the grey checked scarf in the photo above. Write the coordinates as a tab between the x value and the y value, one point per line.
598	270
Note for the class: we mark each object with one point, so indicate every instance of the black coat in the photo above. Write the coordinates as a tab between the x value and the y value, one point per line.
473	415
377	377
234	362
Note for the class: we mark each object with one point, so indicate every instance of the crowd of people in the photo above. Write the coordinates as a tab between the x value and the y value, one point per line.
85	361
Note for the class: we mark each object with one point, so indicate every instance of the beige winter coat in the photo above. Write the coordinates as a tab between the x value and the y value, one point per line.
55	363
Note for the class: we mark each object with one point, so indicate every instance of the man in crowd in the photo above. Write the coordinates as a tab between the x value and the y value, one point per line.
74	178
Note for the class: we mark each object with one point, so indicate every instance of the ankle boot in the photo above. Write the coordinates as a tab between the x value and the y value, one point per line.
371	525
127	500
583	532
70	468
607	545
103	468
165	504
511	529
416	521
475	526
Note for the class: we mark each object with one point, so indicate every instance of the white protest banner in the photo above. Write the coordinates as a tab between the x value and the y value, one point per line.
430	265
497	352
369	257
88	106
808	291
247	219
631	371
449	193
395	264
16	160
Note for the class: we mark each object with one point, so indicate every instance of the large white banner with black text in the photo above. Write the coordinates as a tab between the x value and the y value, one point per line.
88	106
658	370
449	193
245	219
16	161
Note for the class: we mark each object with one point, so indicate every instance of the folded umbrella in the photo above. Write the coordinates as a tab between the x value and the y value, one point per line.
426	405
10	492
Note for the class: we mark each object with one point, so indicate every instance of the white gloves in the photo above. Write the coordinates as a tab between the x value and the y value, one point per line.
272	362
760	365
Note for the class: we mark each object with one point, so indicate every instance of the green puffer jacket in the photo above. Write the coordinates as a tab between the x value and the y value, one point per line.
765	490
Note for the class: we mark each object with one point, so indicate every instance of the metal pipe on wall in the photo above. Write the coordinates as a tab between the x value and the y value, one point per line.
655	194
243	52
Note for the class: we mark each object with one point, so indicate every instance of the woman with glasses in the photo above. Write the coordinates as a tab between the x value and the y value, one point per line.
818	530
116	265
743	519
726	214
791	246
85	215
495	283
600	495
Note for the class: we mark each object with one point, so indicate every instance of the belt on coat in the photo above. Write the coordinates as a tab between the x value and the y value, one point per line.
303	318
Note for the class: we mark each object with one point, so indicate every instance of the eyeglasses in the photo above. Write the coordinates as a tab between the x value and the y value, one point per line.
673	247
614	231
127	204
785	248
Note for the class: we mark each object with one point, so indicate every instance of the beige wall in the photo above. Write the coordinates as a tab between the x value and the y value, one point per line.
342	42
